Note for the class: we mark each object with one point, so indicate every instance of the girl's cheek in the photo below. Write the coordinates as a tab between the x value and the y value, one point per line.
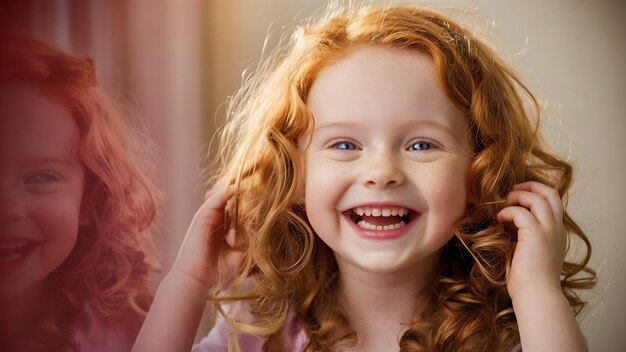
62	206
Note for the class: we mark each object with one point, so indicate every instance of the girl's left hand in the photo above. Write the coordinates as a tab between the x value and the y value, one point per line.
537	212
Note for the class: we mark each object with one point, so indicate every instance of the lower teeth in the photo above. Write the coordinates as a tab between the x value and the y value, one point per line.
11	257
369	226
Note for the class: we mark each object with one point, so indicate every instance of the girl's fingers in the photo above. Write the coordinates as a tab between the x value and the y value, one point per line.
230	237
215	197
519	216
213	209
534	208
550	194
535	203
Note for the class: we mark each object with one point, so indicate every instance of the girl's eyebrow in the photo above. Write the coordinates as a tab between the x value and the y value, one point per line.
432	123
405	126
49	160
344	124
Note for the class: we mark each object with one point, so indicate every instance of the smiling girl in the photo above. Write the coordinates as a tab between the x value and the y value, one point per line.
75	208
382	188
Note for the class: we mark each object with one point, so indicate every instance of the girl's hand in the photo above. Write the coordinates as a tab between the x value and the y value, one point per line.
544	316
206	260
537	212
207	255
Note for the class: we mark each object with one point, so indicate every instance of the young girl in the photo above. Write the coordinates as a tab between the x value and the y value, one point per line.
75	208
382	188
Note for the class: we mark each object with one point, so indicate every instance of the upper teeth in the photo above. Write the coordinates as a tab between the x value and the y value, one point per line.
372	211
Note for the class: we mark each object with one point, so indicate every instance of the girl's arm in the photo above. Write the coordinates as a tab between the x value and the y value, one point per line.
545	319
205	260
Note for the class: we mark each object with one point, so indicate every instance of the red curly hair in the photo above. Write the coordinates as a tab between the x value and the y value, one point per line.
108	269
290	269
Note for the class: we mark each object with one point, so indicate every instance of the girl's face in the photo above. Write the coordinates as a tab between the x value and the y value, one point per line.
41	188
386	167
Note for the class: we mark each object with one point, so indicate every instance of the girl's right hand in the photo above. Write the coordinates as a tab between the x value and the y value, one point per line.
206	261
207	255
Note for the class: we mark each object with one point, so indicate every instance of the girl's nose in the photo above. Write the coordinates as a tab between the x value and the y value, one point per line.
384	171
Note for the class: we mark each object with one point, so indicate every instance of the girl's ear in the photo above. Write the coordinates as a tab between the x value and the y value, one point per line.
300	199
300	163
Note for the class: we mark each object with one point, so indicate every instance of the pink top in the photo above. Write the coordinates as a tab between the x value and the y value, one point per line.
93	336
293	335
217	339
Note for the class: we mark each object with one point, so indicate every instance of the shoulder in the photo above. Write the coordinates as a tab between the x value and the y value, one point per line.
217	339
93	335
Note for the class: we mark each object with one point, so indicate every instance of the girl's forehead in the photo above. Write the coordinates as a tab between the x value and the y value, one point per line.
35	125
380	84
360	54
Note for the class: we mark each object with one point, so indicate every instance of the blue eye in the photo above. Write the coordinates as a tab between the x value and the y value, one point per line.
41	178
421	145
344	146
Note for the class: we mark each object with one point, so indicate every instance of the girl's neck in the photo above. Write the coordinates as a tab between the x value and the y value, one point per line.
381	306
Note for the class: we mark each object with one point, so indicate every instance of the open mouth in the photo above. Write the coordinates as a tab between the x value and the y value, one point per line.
15	249
381	218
